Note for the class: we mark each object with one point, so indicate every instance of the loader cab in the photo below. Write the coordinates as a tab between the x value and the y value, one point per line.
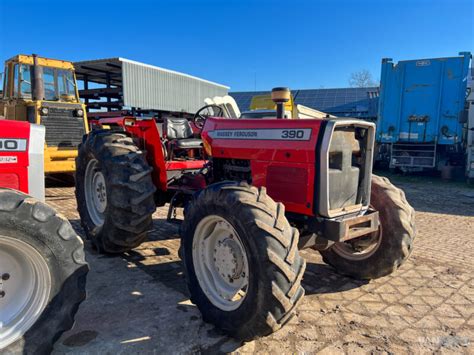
1	85
44	91
262	106
256	114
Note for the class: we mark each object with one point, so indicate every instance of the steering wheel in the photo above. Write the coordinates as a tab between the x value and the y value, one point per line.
200	117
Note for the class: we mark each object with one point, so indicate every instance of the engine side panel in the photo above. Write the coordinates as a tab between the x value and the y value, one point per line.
281	153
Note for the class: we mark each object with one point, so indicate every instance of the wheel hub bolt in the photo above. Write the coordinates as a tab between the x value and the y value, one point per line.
5	276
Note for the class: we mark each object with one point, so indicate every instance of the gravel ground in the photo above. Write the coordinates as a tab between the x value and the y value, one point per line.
138	303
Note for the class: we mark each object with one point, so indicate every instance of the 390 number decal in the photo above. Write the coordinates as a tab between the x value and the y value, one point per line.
271	134
292	134
12	145
9	144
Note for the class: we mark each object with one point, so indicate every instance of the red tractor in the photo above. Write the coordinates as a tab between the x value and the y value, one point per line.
42	266
254	192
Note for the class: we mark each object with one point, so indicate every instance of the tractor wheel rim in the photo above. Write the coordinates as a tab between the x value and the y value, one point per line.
220	263
96	193
25	287
360	248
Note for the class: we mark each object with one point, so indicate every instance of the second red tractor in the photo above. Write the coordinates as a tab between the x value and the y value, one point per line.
254	192
42	267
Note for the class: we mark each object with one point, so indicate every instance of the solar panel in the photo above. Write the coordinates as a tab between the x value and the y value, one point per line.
361	102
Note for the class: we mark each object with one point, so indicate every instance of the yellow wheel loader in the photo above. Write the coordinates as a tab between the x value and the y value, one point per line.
44	91
264	106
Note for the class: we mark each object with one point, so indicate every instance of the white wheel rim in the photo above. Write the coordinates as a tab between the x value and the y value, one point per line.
95	192
25	287
220	263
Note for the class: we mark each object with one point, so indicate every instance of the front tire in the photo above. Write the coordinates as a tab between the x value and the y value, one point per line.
243	269
380	254
42	274
114	191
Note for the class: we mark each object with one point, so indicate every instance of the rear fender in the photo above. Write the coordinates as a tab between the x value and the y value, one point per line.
150	140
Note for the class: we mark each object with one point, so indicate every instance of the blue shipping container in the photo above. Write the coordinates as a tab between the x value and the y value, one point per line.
422	102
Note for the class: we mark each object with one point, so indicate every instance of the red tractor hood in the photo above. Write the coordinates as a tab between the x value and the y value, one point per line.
282	154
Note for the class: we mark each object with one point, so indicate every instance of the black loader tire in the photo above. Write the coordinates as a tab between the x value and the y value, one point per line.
27	220
397	219
130	191
275	266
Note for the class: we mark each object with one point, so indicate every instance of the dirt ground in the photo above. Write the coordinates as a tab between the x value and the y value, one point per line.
138	303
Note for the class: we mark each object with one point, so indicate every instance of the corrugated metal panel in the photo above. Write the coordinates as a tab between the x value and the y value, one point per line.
154	88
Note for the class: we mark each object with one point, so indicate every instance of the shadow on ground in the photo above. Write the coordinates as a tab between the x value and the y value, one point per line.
156	307
322	278
60	180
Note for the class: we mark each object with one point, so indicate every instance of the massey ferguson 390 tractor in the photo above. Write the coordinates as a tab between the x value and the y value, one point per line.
254	192
42	266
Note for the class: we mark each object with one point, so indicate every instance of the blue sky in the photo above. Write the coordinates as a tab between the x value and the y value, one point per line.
243	44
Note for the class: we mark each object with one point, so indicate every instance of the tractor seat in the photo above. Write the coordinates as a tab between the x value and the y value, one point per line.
188	143
179	131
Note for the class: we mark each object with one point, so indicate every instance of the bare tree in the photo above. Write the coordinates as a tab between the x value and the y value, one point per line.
361	79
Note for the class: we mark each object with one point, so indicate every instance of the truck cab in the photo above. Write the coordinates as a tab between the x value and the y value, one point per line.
44	91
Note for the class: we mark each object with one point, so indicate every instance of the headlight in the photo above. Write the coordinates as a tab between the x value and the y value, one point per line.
44	111
79	112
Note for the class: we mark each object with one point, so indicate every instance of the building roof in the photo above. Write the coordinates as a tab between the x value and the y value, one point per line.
143	86
346	102
97	70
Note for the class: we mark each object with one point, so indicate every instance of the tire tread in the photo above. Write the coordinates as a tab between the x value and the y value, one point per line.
276	237
130	191
41	222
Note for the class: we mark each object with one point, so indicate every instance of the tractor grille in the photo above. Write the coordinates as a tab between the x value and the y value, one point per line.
63	129
344	168
346	160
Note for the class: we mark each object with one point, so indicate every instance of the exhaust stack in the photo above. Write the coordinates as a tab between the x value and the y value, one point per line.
37	82
280	96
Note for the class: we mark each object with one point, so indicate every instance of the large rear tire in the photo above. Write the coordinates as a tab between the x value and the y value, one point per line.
114	191
383	252
42	274
243	269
